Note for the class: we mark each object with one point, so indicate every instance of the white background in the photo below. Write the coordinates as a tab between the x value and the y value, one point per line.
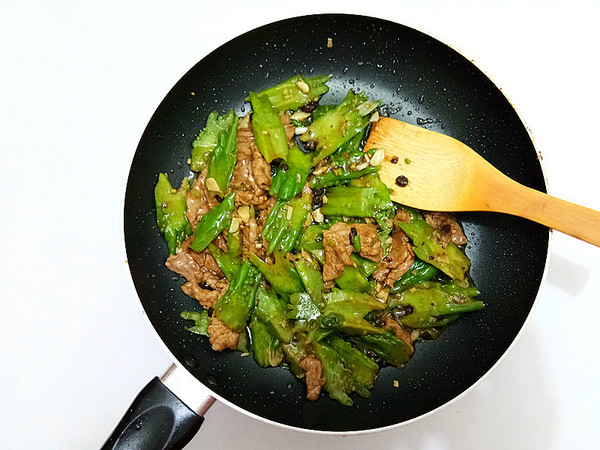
78	84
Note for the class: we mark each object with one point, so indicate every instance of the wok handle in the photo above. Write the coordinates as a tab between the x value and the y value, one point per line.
158	419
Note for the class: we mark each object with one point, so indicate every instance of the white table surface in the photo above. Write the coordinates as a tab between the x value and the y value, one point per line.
78	83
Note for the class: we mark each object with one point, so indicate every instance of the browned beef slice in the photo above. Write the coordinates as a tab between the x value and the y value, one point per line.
398	261
314	376
447	226
220	336
338	244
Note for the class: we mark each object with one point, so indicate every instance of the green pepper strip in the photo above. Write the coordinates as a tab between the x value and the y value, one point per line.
234	307
431	303
280	274
171	207
291	175
269	132
449	259
201	321
418	272
213	223
266	348
224	156
339	125
292	94
208	139
282	227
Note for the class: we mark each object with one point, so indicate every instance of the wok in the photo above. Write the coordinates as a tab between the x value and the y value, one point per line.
421	81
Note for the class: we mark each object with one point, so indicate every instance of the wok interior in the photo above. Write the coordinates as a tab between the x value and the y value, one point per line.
420	81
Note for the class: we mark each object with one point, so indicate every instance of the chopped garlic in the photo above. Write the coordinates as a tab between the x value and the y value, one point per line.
362	165
318	215
303	86
367	107
212	185
374	117
253	230
289	212
300	130
244	213
300	116
377	158
308	220
320	170
306	255
235	225
382	294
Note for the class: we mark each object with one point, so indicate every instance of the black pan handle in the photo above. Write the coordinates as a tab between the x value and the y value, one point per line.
158	419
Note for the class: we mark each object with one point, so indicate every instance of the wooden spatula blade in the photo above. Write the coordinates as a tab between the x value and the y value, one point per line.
431	171
424	169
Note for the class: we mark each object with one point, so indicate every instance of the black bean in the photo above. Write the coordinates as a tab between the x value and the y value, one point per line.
402	181
311	146
426	335
401	311
317	199
205	286
309	107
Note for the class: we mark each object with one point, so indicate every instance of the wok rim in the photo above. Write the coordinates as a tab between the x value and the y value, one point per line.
469	389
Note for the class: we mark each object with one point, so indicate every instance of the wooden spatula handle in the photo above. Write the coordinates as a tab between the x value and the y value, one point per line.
575	220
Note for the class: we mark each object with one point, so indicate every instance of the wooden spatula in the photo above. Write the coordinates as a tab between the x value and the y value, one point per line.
431	171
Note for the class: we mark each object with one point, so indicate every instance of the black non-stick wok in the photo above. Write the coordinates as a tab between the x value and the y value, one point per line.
420	81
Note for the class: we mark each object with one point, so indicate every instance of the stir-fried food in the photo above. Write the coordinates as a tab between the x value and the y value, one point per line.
289	241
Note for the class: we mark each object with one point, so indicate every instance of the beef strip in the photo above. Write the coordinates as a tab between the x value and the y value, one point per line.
207	297
251	177
401	333
184	264
221	241
221	337
206	282
338	247
398	260
370	245
402	216
205	261
448	228
252	238
263	210
313	368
